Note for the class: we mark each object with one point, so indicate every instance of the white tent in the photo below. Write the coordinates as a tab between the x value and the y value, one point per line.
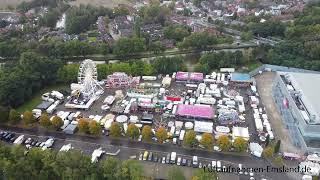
122	119
188	125
200	126
134	119
256	149
242	132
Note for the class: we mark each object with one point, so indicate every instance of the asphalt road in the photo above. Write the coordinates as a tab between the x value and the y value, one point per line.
129	148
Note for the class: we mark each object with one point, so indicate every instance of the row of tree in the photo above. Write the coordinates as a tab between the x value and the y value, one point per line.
301	45
203	40
207	140
216	60
38	164
161	65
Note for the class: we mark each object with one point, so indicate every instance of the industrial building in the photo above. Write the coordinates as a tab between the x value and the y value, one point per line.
297	98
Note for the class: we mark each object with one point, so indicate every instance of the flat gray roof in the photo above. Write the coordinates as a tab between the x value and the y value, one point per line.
309	84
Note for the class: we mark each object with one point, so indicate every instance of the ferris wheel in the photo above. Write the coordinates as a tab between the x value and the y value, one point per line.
88	77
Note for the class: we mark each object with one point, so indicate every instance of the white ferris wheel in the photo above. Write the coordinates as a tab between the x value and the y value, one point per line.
88	78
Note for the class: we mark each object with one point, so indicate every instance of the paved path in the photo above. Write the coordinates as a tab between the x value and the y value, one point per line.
264	86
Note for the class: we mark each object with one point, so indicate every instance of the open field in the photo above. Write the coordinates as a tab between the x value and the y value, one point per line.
105	3
13	3
36	99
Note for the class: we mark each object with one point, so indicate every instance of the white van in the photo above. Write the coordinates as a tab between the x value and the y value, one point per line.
195	161
214	165
218	165
240	169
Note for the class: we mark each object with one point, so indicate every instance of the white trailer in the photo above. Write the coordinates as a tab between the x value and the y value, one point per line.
209	101
174	110
149	78
57	95
172	130
258	124
19	140
53	107
181	136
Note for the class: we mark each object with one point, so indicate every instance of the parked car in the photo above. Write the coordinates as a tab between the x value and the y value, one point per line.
140	156
41	144
150	156
38	144
189	162
145	155
163	160
168	158
179	161
200	165
195	161
240	169
28	141
34	143
155	158
251	172
12	139
184	162
107	133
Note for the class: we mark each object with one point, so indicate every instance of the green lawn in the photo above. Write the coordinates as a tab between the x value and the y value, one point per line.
36	99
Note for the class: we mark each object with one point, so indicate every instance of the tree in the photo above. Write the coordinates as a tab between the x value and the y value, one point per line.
277	147
95	128
45	120
4	113
68	73
240	144
14	116
147	133
83	125
246	36
28	118
50	19
109	168
133	131
57	122
130	169
268	152
278	161
224	143
207	140
128	46
207	174
190	138
175	173
176	32
115	129
161	134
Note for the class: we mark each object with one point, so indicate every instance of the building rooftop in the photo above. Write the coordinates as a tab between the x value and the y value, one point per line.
308	84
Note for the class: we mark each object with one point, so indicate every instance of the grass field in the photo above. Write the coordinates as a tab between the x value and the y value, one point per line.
36	99
105	3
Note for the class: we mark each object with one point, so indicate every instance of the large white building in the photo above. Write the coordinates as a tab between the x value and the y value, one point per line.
297	96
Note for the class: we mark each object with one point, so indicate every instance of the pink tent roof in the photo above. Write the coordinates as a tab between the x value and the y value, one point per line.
182	75
200	111
196	76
